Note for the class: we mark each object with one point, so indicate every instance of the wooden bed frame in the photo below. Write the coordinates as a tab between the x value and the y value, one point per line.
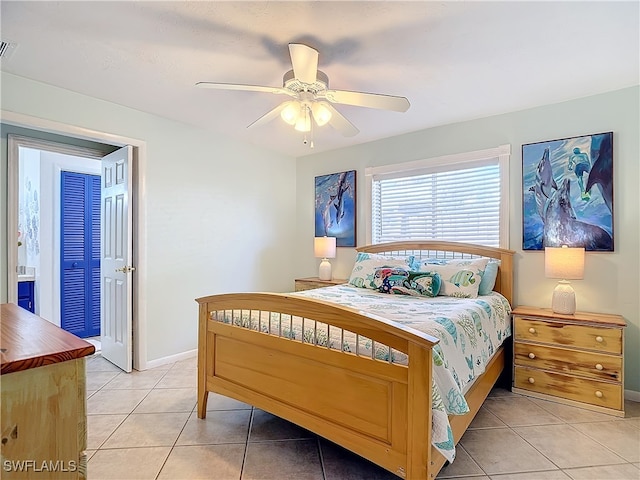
377	409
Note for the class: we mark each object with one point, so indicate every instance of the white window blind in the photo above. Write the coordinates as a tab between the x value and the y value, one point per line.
455	201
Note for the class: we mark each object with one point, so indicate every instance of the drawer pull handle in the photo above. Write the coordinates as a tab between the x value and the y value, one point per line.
599	367
532	330
532	380
599	339
598	394
532	355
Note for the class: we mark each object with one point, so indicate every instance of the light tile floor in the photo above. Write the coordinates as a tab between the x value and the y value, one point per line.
143	425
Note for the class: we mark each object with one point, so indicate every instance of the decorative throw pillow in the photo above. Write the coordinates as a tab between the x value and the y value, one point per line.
401	281
387	278
366	264
489	277
425	284
460	277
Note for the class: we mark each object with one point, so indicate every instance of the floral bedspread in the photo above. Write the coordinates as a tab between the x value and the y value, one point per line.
469	330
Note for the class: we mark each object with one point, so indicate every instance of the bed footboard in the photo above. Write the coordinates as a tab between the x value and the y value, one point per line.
376	408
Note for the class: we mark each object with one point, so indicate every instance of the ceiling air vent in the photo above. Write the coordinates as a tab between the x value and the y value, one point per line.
6	49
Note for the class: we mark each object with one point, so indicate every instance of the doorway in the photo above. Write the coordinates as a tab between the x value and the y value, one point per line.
48	267
39	195
23	124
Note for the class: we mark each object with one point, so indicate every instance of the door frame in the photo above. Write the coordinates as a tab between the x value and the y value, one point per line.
138	205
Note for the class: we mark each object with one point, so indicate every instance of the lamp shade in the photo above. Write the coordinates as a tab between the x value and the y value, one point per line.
566	263
324	247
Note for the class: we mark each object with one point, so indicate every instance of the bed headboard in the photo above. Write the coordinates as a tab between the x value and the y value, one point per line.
439	249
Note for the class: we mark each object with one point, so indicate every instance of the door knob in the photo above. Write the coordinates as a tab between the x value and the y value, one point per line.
125	269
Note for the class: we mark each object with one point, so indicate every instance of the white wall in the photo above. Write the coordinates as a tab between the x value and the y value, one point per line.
220	215
612	279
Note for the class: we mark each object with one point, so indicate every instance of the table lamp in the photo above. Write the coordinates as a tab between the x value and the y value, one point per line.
565	263
324	247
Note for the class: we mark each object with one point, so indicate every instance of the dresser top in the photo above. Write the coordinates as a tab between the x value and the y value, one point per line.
605	319
29	341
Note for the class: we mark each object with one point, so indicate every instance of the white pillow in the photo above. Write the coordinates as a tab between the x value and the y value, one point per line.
366	264
460	277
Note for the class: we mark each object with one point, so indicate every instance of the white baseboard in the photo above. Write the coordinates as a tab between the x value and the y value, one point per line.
172	358
632	395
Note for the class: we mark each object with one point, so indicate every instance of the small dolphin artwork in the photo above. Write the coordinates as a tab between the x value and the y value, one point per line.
335	207
567	187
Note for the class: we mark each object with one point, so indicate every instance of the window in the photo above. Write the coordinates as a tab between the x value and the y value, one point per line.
460	198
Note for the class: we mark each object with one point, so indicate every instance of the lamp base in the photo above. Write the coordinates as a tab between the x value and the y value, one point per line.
564	298
325	270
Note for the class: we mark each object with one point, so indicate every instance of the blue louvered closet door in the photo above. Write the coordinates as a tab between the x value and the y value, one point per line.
80	254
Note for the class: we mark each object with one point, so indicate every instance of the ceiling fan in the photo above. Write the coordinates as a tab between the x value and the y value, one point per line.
310	97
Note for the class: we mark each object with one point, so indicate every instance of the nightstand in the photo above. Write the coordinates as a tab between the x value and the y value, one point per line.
314	282
573	359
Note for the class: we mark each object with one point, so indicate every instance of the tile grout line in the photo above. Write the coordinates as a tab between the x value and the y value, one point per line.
246	444
321	456
600	443
175	441
567	424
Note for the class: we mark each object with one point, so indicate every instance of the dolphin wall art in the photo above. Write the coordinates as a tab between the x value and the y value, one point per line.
568	193
335	207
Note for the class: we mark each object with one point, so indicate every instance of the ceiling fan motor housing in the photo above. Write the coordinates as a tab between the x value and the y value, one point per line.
290	82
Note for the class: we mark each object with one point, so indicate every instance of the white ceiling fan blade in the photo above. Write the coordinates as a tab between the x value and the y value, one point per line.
340	123
370	100
270	115
305	62
250	88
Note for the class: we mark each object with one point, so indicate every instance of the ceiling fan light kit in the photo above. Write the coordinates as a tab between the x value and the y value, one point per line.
290	112
311	97
321	114
303	122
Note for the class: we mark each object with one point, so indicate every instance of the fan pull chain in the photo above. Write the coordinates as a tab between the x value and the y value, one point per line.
311	125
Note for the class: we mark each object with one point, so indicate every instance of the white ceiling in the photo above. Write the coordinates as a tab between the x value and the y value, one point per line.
454	61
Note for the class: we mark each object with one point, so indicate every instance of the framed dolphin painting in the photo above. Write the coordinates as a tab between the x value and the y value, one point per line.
335	210
567	187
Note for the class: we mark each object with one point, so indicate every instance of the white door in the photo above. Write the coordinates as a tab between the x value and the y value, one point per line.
116	313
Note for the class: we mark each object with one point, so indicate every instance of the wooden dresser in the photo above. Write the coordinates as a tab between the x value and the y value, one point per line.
573	359
314	282
44	420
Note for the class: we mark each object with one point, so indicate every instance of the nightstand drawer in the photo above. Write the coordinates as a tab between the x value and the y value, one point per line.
602	394
569	335
563	360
